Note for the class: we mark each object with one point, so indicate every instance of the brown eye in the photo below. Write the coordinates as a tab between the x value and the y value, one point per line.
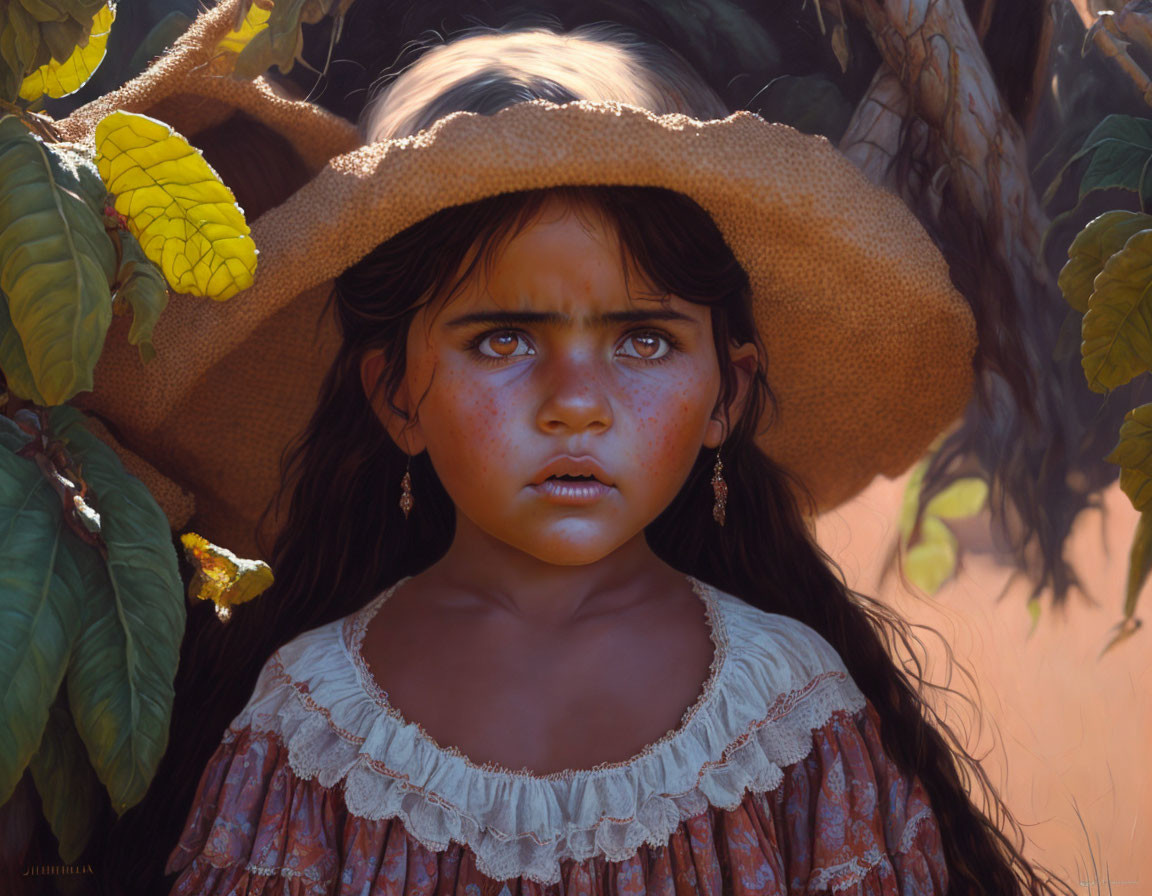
648	346
502	343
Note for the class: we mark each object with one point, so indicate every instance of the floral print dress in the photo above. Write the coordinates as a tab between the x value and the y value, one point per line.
775	783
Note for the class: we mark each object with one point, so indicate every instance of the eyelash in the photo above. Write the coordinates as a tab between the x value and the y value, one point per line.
473	345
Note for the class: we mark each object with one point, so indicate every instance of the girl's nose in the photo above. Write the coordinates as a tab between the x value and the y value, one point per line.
574	397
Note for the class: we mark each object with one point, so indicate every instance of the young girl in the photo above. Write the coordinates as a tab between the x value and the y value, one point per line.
586	641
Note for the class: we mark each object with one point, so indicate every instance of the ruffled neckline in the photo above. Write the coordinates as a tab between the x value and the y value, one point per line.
356	626
773	682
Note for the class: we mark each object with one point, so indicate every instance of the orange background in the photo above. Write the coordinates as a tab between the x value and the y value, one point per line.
1062	729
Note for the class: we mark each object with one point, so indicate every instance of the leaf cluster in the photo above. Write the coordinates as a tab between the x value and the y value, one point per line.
91	599
89	634
1108	280
35	32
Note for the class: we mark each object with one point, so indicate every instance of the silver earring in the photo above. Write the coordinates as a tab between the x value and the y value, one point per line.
406	489
720	488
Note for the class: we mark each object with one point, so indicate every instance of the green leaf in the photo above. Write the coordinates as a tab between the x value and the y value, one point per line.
41	610
120	679
68	787
1117	329
12	436
13	361
75	171
962	498
20	49
56	263
1134	455
1139	563
932	561
145	290
1121	150
1100	239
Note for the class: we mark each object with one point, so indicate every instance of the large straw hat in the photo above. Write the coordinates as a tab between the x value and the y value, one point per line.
869	346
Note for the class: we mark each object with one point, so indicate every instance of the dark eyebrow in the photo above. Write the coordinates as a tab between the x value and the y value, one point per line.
555	318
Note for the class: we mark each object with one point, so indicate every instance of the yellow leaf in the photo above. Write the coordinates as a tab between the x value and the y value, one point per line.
185	218
57	79
910	503
255	21
963	498
221	576
931	562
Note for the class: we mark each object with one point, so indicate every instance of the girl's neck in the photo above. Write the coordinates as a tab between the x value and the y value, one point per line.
483	569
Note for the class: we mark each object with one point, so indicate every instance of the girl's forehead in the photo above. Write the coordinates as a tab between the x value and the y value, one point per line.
565	257
567	254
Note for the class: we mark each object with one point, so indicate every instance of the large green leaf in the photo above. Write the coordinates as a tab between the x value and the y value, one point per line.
1117	328
120	679
68	787
1102	238
1133	453
41	609
1121	151
56	264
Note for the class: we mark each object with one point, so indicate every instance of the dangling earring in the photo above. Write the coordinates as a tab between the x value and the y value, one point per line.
720	487
406	489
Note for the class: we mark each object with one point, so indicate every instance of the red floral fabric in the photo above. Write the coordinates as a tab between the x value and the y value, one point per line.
844	820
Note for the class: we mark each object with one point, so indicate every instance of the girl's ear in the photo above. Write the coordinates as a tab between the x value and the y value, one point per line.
404	432
745	360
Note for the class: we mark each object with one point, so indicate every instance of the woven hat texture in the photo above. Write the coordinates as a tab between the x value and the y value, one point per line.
869	346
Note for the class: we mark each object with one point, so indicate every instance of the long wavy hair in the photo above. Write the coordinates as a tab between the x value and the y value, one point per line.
343	538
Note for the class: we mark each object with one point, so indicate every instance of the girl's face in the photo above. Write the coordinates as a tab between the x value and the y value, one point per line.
553	356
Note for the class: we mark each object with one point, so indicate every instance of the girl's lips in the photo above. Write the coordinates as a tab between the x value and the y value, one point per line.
560	491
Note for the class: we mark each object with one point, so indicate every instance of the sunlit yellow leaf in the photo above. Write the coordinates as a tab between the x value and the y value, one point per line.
185	218
221	576
963	498
932	561
255	21
57	79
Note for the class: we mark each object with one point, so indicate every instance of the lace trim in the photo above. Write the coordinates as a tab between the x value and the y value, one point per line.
776	682
356	626
858	867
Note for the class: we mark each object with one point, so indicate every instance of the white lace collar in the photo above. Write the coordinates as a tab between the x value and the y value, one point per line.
773	680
